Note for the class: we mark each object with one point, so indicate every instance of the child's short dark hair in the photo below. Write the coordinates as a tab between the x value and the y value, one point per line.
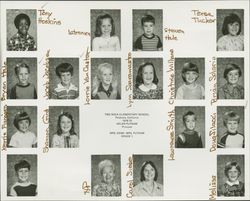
98	31
21	65
230	116
19	17
143	167
230	67
139	79
22	164
64	67
21	116
229	166
230	19
189	113
147	18
189	66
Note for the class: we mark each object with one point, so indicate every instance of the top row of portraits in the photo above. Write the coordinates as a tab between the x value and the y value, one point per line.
106	30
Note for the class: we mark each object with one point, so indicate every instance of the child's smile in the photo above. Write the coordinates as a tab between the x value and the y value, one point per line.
23	175
149	173
148	75
233	28
65	124
148	28
190	77
23	76
233	174
23	125
23	27
190	122
66	78
106	27
233	77
232	126
106	76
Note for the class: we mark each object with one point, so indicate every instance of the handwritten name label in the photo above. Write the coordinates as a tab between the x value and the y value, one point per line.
86	77
213	188
4	116
78	33
45	119
46	17
203	17
4	83
129	86
212	132
173	34
129	174
86	187
170	128
171	77
213	80
46	75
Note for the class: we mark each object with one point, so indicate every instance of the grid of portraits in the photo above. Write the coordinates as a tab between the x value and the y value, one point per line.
106	84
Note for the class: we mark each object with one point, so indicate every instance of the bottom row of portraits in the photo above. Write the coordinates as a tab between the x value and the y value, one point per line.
106	176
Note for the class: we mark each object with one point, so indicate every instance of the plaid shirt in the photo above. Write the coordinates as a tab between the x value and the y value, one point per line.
20	43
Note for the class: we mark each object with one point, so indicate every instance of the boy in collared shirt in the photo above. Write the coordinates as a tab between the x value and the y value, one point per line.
65	89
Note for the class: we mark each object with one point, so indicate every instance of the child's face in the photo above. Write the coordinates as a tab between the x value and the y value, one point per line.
66	78
108	174
23	27
23	175
148	28
232	126
65	124
190	122
233	77
23	76
233	28
148	75
233	174
190	77
149	173
106	27
106	76
23	125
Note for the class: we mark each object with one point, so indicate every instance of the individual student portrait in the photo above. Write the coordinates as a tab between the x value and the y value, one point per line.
230	127
230	78
147	30
230	29
64	126
230	176
22	126
190	78
105	30
63	78
147	78
21	30
190	127
22	78
21	175
106	78
148	175
106	175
